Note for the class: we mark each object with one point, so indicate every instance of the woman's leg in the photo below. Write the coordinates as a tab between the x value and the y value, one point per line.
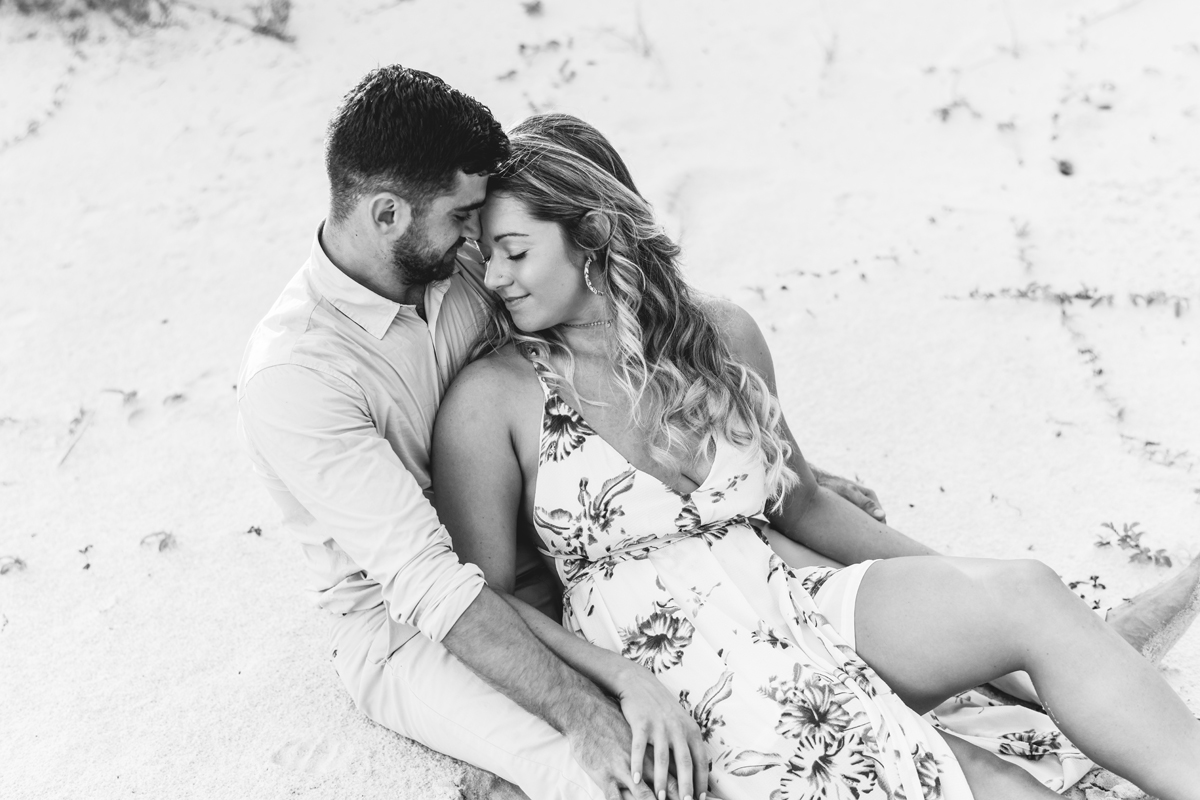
934	626
991	777
1151	622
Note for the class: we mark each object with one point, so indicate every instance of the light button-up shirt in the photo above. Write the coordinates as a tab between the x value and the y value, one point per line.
337	396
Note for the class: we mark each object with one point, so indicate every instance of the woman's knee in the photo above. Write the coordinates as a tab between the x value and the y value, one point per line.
1029	575
1004	591
1025	588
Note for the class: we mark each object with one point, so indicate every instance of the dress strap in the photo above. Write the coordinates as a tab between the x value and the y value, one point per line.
547	388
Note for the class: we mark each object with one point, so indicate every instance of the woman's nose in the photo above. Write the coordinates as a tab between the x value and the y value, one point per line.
494	276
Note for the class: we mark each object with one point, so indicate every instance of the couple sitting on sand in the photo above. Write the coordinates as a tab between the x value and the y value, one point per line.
626	428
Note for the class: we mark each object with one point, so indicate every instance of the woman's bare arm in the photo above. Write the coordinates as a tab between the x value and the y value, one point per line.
478	483
812	515
476	476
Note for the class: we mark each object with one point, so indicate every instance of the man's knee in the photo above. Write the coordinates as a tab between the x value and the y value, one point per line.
478	784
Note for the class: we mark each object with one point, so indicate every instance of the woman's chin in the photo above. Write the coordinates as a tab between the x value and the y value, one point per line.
521	325
526	324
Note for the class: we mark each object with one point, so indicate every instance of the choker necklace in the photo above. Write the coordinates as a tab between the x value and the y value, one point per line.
595	324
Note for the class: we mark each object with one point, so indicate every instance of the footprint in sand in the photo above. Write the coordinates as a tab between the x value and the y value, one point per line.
315	755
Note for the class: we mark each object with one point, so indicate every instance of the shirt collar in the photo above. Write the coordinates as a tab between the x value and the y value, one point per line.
371	312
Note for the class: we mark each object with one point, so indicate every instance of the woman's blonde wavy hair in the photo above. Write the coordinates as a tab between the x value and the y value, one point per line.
668	355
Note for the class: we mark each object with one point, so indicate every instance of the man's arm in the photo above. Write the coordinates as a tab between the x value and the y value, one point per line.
492	639
316	433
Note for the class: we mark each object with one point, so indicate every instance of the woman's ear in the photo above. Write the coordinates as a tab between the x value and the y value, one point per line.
596	230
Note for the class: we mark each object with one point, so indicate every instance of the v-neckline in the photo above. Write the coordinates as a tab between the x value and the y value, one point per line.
552	392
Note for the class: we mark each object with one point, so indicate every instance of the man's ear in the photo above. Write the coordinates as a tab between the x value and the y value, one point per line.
390	214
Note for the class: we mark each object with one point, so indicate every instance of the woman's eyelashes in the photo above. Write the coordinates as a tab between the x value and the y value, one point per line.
487	257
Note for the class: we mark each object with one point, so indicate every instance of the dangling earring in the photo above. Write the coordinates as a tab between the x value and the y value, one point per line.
588	279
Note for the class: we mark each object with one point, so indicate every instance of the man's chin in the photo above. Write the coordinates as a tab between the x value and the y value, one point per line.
432	272
449	261
446	269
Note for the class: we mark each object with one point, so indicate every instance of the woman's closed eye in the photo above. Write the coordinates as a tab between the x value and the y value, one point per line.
517	256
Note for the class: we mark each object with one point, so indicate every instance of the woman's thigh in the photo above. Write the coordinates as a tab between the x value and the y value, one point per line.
991	777
933	626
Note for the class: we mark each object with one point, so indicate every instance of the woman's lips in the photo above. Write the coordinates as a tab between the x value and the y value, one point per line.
511	302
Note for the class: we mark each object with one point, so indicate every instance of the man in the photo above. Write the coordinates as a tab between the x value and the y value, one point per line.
337	396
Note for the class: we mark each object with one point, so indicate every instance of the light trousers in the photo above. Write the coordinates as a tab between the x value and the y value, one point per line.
423	692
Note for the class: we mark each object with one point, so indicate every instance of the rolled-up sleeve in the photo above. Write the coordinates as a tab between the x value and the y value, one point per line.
315	432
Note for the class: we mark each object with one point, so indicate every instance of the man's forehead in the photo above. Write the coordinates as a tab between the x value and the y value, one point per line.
468	192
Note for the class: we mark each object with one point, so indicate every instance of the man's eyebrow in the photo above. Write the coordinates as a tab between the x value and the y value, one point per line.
477	204
501	236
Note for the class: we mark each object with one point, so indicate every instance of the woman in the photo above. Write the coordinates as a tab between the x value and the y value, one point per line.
633	430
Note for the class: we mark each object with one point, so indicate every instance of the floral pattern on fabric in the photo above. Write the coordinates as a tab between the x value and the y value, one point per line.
657	641
705	712
810	708
687	587
563	431
815	579
1033	745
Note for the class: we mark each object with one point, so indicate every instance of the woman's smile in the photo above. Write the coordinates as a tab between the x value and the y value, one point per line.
512	302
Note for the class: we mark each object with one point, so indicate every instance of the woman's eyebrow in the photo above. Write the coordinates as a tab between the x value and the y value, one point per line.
501	236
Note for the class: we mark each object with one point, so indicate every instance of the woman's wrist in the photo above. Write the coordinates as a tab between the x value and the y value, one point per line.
615	673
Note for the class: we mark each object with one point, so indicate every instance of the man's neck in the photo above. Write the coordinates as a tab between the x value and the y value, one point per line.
348	253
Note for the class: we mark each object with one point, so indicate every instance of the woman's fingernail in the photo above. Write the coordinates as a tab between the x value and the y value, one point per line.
637	777
878	513
662	794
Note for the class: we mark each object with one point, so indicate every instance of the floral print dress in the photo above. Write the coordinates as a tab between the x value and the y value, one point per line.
684	585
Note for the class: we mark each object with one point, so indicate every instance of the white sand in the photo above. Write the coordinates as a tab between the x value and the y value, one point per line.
797	151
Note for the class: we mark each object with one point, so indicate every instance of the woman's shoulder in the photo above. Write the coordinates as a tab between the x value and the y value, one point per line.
726	314
492	402
738	328
503	369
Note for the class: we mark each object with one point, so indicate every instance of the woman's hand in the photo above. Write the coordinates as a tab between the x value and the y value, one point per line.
856	493
657	719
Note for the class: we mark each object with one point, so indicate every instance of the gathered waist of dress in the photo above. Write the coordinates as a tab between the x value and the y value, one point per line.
577	568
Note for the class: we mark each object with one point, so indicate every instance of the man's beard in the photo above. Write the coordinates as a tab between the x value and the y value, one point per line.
416	262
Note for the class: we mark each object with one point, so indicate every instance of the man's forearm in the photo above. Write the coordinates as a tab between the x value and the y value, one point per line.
835	528
492	639
601	667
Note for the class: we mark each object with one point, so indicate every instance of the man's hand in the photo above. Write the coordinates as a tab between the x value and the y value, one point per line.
602	749
856	493
492	639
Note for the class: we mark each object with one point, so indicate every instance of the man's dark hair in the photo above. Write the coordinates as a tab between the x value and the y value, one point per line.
408	132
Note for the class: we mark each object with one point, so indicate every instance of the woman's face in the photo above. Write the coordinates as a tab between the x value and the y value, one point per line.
533	269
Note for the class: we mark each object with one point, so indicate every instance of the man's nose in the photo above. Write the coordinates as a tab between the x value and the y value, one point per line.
471	228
